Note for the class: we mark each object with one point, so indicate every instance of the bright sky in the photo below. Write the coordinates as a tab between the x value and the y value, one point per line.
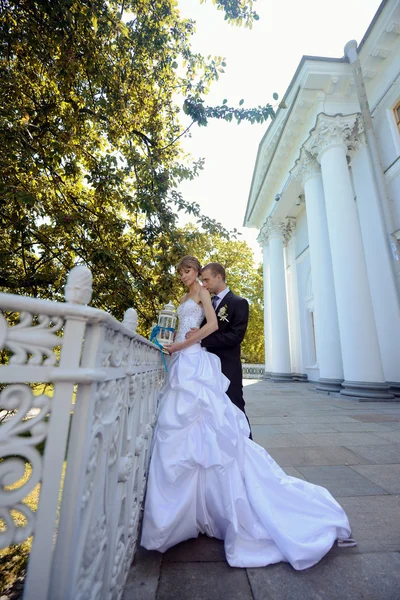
260	62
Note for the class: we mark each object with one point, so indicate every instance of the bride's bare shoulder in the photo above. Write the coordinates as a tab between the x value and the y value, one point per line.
204	295
183	299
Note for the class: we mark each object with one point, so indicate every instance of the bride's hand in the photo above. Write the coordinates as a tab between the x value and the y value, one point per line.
171	348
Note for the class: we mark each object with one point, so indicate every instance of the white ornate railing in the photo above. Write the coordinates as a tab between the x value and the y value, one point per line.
84	530
253	371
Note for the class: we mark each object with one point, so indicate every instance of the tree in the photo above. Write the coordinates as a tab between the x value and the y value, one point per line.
253	350
89	131
242	276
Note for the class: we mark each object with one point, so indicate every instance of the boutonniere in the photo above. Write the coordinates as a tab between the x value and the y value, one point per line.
223	314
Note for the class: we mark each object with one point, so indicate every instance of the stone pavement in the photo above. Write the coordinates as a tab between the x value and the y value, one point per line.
350	447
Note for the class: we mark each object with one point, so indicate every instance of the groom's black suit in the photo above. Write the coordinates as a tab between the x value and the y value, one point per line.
225	342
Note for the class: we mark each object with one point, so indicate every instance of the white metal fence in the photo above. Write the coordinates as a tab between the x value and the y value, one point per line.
84	530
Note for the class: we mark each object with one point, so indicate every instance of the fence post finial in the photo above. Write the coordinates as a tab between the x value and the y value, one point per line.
130	319
78	289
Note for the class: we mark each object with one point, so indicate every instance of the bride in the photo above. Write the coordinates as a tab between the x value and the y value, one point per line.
206	475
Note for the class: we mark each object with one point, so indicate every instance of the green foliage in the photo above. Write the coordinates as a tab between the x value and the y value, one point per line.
237	13
253	345
195	108
90	130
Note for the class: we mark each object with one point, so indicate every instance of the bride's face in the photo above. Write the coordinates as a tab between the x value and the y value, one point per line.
188	276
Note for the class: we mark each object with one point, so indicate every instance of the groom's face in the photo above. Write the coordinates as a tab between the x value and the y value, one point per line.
212	283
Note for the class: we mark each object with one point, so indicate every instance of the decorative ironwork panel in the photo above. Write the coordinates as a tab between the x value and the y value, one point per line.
116	376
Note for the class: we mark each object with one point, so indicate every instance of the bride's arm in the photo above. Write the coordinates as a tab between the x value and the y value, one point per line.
210	326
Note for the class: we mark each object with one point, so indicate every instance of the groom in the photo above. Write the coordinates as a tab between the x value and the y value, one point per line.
232	316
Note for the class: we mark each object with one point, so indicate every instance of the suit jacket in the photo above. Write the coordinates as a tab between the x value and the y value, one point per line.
225	342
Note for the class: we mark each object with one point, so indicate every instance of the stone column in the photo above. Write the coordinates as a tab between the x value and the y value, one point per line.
327	338
280	356
293	308
263	241
361	356
382	283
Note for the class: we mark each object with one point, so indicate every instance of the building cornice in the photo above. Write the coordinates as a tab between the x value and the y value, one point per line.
272	137
320	84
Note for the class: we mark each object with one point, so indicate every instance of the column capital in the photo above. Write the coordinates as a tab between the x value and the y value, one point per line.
330	131
276	228
305	167
263	237
358	138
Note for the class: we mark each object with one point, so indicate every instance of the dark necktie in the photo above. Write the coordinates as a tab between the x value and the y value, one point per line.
214	301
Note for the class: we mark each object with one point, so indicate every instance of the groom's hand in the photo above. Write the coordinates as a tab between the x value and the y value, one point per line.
191	332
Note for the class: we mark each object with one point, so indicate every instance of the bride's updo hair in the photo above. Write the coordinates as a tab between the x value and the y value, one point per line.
188	262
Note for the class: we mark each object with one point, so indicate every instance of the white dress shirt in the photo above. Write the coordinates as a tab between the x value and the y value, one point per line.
221	296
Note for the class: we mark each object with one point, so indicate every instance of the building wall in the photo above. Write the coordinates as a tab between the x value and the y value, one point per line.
305	299
328	87
393	187
296	353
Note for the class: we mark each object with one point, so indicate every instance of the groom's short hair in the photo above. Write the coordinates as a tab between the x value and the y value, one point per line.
216	269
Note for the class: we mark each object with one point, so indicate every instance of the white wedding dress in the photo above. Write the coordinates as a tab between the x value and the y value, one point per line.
207	476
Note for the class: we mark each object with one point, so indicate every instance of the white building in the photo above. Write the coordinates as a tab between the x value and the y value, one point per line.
325	197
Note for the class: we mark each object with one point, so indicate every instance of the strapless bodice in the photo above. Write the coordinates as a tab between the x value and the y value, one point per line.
190	314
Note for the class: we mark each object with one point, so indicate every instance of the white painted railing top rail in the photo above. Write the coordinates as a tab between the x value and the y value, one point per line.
83	548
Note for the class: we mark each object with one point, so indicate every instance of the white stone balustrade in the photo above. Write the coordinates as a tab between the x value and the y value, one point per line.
82	548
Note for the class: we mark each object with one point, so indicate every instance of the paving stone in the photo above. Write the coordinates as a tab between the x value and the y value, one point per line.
328	455
260	413
143	576
374	521
267	420
386	476
203	581
351	404
358	427
390	436
341	481
201	549
361	409
321	419
378	455
251	382
344	439
367	413
393	426
378	418
313	411
262	430
282	440
289	471
344	577
306	428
